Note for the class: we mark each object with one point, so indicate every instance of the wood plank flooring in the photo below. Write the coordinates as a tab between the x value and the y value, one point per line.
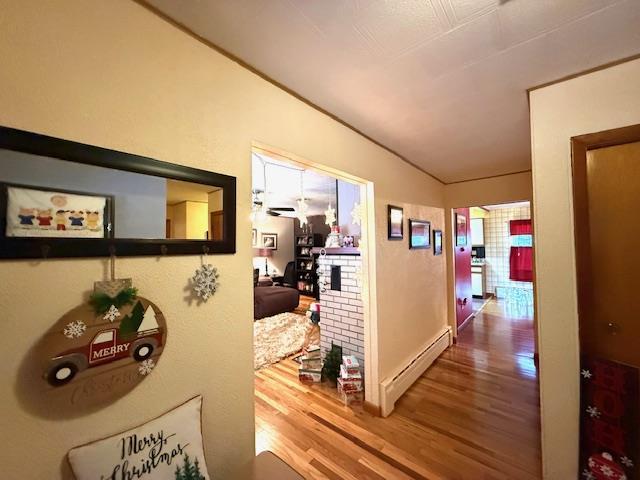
473	415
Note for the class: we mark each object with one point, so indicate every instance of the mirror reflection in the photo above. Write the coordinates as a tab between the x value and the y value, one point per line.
48	197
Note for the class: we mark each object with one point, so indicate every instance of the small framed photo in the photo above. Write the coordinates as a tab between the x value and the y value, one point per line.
437	242
269	241
32	212
395	223
254	237
461	230
419	234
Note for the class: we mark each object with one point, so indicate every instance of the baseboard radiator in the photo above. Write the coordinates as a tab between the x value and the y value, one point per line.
393	388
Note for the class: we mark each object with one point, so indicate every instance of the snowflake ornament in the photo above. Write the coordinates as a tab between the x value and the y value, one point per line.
356	214
205	281
586	373
593	412
74	329
330	215
626	461
146	367
112	313
301	212
588	475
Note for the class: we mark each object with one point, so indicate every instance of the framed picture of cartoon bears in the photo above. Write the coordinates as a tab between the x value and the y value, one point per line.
32	211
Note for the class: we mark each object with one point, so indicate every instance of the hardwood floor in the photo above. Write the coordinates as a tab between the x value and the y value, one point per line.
473	415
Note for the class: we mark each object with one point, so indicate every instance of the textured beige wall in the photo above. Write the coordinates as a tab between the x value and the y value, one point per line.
599	101
113	74
418	310
475	193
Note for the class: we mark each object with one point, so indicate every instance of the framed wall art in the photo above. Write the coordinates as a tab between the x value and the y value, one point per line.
461	230
31	211
269	241
437	242
419	234
395	223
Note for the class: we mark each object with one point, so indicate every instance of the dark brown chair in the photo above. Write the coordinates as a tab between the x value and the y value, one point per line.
289	277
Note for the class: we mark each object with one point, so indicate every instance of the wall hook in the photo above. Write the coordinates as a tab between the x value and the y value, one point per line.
163	249
112	261
45	249
205	249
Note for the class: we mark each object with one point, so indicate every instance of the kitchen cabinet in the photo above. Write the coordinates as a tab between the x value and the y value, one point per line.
477	231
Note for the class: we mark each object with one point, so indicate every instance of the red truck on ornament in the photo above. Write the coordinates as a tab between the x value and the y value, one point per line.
107	346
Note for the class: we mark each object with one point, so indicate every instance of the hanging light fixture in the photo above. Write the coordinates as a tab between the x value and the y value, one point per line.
259	208
301	212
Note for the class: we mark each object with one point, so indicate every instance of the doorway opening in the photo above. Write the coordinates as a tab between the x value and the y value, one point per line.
606	192
493	257
312	288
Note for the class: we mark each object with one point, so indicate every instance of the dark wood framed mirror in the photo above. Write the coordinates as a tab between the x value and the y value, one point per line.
60	198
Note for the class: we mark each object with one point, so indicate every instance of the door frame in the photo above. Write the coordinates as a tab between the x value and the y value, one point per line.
580	145
368	254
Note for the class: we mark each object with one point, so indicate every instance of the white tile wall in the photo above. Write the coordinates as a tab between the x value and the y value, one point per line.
497	246
341	312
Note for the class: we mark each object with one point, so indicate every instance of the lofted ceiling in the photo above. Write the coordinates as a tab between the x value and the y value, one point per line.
441	82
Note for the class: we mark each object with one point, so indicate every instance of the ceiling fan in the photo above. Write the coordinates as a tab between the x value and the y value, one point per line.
273	211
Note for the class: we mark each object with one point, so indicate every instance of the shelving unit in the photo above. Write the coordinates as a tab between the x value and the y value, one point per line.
306	268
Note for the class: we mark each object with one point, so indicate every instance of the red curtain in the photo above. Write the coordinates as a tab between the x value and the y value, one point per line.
520	227
521	258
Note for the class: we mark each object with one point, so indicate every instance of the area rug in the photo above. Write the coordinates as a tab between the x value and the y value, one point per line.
278	337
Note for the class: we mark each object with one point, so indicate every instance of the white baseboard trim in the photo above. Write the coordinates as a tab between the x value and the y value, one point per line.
393	387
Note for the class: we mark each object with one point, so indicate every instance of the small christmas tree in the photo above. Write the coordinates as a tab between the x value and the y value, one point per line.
189	471
332	361
130	324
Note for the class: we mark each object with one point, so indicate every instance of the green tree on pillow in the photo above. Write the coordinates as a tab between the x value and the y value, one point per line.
189	471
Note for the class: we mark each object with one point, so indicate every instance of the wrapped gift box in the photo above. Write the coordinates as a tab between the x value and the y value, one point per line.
349	385
307	375
352	398
311	363
351	364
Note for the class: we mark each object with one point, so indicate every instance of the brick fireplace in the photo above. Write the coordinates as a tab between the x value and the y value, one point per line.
341	312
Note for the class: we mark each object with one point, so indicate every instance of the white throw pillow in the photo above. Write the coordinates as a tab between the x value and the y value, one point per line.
167	448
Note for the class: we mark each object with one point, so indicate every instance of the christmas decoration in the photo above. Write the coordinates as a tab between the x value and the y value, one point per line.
310	370
74	329
205	281
102	302
130	331
350	381
593	411
609	420
331	366
146	367
330	215
168	447
112	313
356	214
603	467
301	212
189	471
313	313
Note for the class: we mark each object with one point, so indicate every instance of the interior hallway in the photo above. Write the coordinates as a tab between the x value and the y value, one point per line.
474	414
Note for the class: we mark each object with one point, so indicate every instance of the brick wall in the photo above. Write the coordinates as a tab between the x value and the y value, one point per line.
341	313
